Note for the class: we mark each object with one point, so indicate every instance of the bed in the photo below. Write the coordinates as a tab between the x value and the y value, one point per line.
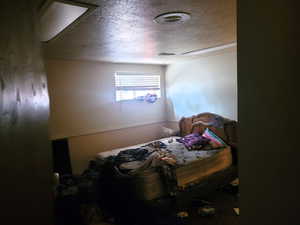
149	180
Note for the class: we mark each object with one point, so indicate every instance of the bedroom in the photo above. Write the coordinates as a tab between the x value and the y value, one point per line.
190	56
91	114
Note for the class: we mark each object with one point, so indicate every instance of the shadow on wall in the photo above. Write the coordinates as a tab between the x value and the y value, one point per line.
170	110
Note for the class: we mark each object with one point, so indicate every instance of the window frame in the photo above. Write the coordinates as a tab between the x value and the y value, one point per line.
128	73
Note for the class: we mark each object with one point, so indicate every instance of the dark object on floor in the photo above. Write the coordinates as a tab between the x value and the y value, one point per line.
183	214
206	211
204	208
91	214
232	188
77	197
61	157
180	221
67	211
198	202
237	211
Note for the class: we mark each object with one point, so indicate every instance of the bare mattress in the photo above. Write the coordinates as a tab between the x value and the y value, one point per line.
165	165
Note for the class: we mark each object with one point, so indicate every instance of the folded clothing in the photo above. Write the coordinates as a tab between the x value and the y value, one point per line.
137	154
207	141
194	139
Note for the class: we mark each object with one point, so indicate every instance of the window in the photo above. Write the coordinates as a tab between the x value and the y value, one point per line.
131	86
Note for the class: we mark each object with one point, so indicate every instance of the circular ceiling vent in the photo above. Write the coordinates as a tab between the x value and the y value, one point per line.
172	17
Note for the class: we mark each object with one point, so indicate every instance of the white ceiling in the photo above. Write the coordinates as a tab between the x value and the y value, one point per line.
124	31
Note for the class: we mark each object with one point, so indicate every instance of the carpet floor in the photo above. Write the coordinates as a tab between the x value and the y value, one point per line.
223	201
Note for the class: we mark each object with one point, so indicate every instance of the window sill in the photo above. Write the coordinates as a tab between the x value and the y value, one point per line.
135	100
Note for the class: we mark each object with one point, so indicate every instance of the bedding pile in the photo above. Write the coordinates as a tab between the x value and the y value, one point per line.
167	165
170	152
167	157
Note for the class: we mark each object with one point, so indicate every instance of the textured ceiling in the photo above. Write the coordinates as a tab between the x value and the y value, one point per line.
124	31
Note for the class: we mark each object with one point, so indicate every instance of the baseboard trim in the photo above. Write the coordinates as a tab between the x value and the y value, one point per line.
98	131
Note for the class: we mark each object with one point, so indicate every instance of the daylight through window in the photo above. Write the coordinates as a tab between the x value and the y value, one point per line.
136	86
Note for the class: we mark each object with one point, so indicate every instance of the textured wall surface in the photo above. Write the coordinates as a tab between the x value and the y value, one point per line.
82	95
206	84
25	149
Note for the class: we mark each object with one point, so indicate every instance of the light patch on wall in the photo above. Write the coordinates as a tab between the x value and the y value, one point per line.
188	101
206	84
41	101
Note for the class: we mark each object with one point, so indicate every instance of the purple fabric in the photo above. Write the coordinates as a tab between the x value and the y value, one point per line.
194	139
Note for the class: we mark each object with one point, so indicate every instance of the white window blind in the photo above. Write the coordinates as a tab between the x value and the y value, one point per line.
131	86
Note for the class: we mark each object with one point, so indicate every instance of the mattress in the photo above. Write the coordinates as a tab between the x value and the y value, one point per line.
116	151
191	168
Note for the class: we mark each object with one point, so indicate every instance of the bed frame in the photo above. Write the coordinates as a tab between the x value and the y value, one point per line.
223	127
124	189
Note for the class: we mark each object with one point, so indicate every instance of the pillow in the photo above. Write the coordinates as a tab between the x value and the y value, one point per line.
194	139
215	141
200	126
197	128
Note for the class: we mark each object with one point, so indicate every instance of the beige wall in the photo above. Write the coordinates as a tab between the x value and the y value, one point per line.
83	98
85	148
206	84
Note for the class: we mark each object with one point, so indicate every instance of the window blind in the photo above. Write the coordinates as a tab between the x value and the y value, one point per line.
137	82
130	86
